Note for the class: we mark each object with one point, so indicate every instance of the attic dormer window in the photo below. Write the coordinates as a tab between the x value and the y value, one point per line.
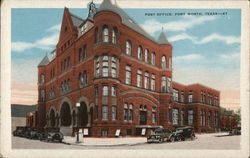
84	28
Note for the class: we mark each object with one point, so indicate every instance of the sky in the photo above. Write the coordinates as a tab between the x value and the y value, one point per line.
206	48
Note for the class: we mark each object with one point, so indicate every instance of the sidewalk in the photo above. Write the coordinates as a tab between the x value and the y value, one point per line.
105	141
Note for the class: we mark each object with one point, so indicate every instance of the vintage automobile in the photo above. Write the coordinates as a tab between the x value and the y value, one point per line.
51	134
235	131
20	131
27	132
160	135
183	133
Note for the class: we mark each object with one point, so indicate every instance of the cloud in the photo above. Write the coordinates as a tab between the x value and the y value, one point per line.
206	39
152	26
189	58
45	43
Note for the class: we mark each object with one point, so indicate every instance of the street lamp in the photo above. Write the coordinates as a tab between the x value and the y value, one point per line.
77	128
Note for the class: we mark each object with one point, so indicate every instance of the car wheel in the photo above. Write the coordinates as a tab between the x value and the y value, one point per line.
172	139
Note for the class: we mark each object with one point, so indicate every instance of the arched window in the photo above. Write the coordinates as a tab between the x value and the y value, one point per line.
105	34
96	35
153	58
114	35
69	84
163	61
42	79
153	82
146	80
128	47
42	95
146	55
139	53
163	84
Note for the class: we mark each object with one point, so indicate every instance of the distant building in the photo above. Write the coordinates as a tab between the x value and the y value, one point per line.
120	77
228	119
18	114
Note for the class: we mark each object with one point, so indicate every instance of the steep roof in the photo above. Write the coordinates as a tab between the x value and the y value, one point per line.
44	62
106	5
77	21
162	39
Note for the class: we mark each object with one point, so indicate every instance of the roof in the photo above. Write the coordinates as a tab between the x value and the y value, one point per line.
77	21
18	110
162	39
106	5
44	62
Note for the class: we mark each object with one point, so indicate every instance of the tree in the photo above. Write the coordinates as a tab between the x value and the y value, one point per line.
238	115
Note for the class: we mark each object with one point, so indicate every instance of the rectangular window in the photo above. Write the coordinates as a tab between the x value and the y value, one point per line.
182	118
201	117
176	95
113	112
153	117
105	72
113	73
128	75
190	98
104	112
146	80
113	91
104	133
204	118
84	51
182	97
190	117
105	90
139	78
153	82
175	116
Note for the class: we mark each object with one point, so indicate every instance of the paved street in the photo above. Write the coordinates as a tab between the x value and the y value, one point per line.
203	141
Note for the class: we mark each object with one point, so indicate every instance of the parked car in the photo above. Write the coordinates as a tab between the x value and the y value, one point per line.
51	134
20	131
183	133
27	132
160	135
235	131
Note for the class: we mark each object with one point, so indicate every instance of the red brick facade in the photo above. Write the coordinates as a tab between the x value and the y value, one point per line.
97	65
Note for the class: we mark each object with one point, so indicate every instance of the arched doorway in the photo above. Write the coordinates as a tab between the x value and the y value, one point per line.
83	115
65	114
52	118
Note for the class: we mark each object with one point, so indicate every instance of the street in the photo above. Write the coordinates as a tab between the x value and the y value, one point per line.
203	141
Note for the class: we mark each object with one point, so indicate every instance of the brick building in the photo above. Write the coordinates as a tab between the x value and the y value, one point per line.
109	76
228	120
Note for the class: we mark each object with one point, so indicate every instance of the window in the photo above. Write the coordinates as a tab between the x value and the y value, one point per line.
42	79
128	75
105	72
128	48
85	79
113	69
209	119
182	97
190	117
130	112
139	78
113	91
163	84
153	82
104	132
125	112
42	95
114	35
139	53
182	118
190	97
146	55
146	81
170	63
153	58
84	51
216	118
113	112
96	35
201	117
176	95
105	90
204	118
84	28
163	62
69	84
153	117
105	34
104	112
105	66
80	80
169	83
97	72
175	116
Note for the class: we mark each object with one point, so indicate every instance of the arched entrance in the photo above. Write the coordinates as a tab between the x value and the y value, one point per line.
52	118
82	115
65	114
